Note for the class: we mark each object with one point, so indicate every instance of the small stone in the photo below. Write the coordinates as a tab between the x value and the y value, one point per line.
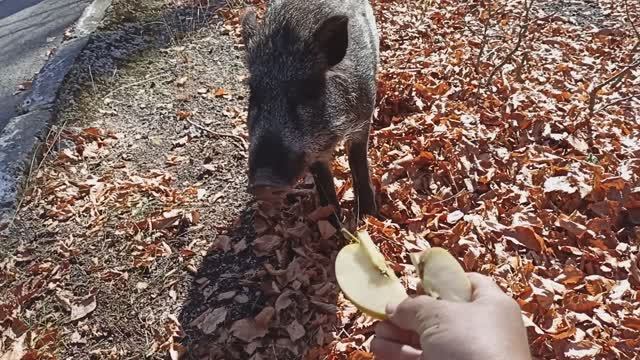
181	81
76	338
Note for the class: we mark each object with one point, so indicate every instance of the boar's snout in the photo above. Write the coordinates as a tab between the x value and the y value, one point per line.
273	166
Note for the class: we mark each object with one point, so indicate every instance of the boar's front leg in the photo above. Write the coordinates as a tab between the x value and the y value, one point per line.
359	164
324	184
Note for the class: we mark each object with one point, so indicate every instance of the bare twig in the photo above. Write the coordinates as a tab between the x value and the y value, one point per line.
485	39
616	102
593	94
485	34
521	35
612	81
242	143
454	196
635	47
93	84
135	83
633	25
549	17
522	63
483	44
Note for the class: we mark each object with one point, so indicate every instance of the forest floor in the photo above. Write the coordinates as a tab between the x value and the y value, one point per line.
506	133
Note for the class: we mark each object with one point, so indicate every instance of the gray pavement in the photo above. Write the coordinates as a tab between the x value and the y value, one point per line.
28	30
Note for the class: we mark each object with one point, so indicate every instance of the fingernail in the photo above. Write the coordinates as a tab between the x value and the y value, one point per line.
390	308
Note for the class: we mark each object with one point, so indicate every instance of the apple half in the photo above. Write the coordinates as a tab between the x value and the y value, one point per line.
370	284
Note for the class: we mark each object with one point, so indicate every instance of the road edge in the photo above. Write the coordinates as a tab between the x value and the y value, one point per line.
20	140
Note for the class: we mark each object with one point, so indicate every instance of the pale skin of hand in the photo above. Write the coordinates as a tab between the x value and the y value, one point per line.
423	328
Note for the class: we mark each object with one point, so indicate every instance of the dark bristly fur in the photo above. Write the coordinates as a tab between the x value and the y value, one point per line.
312	82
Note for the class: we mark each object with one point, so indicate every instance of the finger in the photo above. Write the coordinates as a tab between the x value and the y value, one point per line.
415	314
388	331
483	286
389	350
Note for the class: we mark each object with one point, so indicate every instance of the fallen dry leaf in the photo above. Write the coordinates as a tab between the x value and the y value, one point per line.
525	236
284	300
321	213
176	351
580	302
208	321
226	295
631	322
76	338
17	350
266	244
326	229
240	246
559	183
253	328
181	81
79	307
582	350
295	330
223	243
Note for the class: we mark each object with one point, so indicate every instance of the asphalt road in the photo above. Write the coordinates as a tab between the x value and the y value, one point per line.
28	30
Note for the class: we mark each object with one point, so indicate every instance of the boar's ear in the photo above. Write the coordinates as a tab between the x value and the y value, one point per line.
249	24
332	37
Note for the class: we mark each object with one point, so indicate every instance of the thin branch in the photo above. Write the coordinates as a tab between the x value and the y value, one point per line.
549	17
593	94
242	143
616	102
635	47
136	83
618	76
633	25
522	63
485	34
613	81
521	35
461	192
483	44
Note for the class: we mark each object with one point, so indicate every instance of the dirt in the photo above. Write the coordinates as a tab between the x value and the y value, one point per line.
583	12
149	61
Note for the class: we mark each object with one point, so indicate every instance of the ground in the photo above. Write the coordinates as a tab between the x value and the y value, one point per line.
136	238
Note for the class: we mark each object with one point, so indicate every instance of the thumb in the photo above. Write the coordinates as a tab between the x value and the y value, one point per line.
416	314
484	287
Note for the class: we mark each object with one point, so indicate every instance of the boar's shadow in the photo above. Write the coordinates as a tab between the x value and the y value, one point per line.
237	284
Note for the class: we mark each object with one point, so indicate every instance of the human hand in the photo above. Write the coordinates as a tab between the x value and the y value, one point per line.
489	327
